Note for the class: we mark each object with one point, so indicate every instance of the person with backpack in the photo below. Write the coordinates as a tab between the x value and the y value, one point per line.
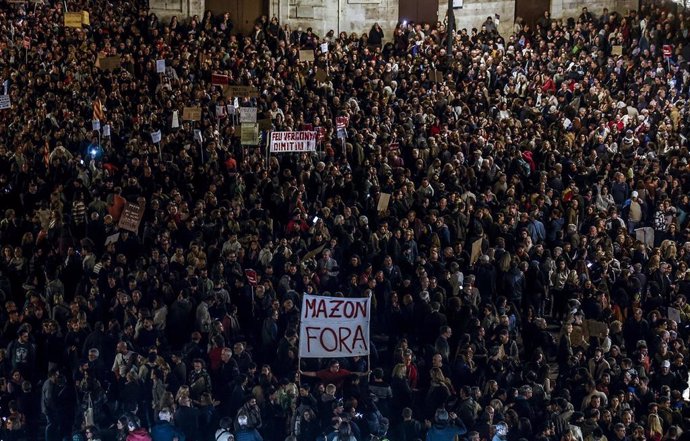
224	430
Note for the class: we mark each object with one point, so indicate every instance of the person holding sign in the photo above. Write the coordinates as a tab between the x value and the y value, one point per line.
334	374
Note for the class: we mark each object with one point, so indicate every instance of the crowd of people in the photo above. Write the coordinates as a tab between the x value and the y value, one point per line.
528	273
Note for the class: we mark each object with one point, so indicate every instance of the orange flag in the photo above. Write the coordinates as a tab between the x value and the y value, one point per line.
98	110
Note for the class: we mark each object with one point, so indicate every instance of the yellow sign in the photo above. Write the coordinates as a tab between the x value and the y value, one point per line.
85	18
108	63
73	19
191	114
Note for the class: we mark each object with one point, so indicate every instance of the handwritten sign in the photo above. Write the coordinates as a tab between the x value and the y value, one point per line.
617	50
95	125
191	114
131	217
108	63
247	115
306	55
249	134
5	102
241	92
106	130
334	326
156	137
73	19
384	200
160	66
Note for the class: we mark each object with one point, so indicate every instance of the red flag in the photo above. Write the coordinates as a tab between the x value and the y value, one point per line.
252	277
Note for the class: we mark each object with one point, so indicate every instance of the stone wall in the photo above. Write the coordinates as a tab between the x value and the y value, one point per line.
165	9
573	8
474	13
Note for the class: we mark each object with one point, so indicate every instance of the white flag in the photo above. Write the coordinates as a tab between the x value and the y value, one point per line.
95	125
175	120
198	136
106	130
156	137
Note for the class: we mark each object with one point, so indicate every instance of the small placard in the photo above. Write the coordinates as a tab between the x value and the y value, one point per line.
306	55
249	134
247	115
191	114
73	19
160	66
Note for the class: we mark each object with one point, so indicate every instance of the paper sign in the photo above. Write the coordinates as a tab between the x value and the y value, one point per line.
156	137
85	18
334	326
73	19
175	120
191	114
324	48
160	66
220	112
674	314
106	130
617	50
95	125
384	200
219	80
113	238
247	115
131	217
306	55
198	136
231	109
249	134
668	50
5	102
476	251
265	124
108	63
293	142
241	91
341	122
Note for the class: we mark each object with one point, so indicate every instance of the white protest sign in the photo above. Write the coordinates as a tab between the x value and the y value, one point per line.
95	125
156	137
175	120
324	48
198	136
334	327
5	102
160	66
231	109
220	111
248	115
287	142
106	130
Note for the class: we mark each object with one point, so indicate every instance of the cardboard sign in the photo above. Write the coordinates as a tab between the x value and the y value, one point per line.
247	115
436	76
191	114
476	251
334	327
384	200
293	142
5	102
241	92
95	125
73	19
306	55
265	124
617	50
131	217
249	134
219	80
160	66
106	130
321	76
85	18
156	137
108	63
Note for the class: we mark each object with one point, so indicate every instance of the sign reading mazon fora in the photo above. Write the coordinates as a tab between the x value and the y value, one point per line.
290	142
334	327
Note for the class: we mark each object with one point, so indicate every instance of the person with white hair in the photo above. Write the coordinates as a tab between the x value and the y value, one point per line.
165	430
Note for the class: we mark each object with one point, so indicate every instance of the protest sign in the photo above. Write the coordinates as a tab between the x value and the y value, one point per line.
191	114
247	115
73	19
175	120
306	55
198	136
476	251
108	63
131	217
265	124
156	137
324	48
334	327
85	18
674	314
5	102
160	66
219	80
249	134
384	200
288	142
106	130
95	125
241	91
617	50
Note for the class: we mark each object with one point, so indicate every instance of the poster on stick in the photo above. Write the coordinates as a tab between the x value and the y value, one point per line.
131	217
334	327
289	142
